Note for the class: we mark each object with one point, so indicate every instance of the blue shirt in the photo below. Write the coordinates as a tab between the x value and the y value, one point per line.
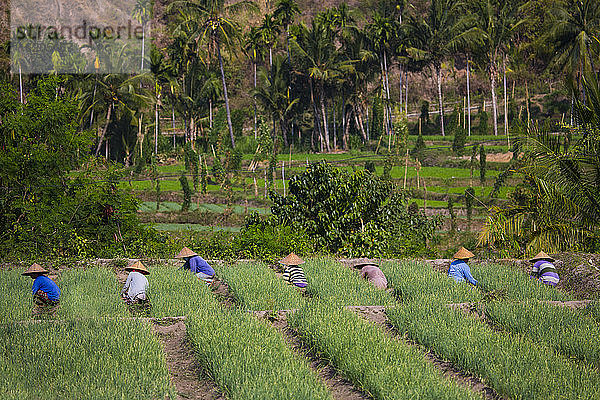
47	286
198	264
459	270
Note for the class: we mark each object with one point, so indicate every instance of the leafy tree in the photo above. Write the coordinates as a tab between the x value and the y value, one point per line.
54	200
354	213
482	164
187	192
460	138
469	197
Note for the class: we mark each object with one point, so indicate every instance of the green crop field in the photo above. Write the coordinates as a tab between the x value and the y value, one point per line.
94	346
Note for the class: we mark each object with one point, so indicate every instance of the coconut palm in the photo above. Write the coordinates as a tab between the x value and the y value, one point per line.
269	29
214	27
495	24
142	12
434	38
274	95
285	11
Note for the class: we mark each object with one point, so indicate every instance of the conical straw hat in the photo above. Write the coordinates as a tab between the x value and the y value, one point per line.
185	252
292	259
541	256
138	266
463	254
35	269
363	261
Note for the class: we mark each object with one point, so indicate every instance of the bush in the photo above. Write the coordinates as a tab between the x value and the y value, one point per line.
354	213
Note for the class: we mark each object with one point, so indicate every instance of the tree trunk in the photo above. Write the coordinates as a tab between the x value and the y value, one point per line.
346	130
468	97
334	127
156	125
225	95
359	124
493	74
101	138
254	100
173	122
317	125
21	84
143	41
324	114
210	116
505	101
438	70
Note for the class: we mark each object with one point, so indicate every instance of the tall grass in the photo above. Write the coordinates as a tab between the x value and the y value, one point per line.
569	332
331	281
514	366
384	367
255	286
414	279
16	302
176	292
249	359
82	360
93	292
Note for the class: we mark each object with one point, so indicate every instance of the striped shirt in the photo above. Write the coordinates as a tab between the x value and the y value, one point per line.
545	272
294	274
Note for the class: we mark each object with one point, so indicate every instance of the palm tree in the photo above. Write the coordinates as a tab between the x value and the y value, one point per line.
269	29
574	33
215	27
383	33
142	12
322	63
285	10
273	94
435	38
254	48
495	23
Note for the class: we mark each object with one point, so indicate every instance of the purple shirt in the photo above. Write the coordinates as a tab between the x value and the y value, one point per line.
545	272
374	275
198	264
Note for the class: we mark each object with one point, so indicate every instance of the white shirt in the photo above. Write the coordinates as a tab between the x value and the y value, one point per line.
137	284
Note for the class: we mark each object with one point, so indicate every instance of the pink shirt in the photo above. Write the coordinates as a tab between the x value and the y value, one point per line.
374	275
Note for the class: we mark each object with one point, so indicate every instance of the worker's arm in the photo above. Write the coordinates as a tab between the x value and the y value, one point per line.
535	270
127	283
468	276
36	286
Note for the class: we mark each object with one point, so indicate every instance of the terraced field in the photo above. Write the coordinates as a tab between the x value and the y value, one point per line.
252	336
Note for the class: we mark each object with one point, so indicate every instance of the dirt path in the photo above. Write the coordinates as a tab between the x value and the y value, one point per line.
448	369
221	291
340	388
186	375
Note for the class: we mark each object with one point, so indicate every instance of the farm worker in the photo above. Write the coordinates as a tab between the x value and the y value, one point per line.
459	270
45	292
136	285
197	265
543	269
371	272
293	273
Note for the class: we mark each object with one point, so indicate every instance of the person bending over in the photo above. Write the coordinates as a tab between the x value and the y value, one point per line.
197	265
45	292
459	270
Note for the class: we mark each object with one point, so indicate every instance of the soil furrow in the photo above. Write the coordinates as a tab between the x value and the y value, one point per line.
448	369
221	291
340	388
186	375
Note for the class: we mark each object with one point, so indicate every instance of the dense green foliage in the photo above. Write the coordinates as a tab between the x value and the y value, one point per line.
46	208
352	213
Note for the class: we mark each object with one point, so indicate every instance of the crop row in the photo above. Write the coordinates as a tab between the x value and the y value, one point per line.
255	286
82	360
514	366
249	359
571	333
332	282
385	367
